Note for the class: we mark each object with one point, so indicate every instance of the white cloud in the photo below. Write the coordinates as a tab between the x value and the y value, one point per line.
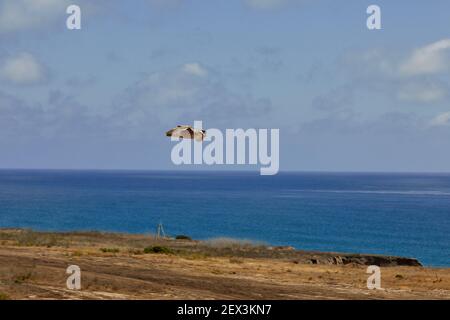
59	116
431	59
25	14
22	69
417	79
441	120
422	92
265	4
195	69
181	95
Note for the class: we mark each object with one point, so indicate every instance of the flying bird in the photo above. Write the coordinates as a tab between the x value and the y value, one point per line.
186	132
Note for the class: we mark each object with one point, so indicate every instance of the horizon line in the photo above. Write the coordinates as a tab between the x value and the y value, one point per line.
224	170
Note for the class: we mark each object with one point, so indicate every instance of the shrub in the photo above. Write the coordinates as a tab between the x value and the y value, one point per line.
20	278
158	249
183	237
4	296
109	250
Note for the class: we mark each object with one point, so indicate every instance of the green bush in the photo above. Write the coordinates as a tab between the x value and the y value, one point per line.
183	237
158	249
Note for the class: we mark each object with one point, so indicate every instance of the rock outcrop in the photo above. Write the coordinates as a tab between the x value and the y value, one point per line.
360	259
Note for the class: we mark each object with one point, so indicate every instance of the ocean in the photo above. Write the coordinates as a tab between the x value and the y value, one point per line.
382	213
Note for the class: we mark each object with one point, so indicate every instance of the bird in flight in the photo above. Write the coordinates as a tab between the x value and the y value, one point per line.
186	132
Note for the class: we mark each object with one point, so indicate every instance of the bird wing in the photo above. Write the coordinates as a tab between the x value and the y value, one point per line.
186	132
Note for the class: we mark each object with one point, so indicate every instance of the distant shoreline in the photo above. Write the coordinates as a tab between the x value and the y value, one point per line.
306	255
237	247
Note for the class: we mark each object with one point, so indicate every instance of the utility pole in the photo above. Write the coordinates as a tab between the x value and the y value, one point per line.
160	231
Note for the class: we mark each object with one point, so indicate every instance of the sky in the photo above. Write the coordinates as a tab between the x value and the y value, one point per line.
344	97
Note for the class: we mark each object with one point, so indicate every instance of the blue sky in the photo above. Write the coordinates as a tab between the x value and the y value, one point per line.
344	98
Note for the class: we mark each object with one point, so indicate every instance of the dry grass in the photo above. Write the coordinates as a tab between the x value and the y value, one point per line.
223	242
110	250
4	296
114	266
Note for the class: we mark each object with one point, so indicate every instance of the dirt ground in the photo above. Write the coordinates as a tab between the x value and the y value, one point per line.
33	266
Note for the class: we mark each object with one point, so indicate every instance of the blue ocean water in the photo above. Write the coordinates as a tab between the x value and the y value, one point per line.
397	214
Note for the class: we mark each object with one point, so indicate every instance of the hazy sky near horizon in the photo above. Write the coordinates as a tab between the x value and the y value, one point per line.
345	98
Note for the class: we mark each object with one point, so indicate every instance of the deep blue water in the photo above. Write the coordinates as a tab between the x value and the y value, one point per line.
398	214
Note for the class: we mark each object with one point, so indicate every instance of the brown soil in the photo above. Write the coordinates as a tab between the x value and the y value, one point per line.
113	266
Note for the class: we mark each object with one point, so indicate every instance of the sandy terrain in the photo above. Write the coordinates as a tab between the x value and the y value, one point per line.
33	266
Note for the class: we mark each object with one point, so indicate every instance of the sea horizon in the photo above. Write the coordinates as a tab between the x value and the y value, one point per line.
215	170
